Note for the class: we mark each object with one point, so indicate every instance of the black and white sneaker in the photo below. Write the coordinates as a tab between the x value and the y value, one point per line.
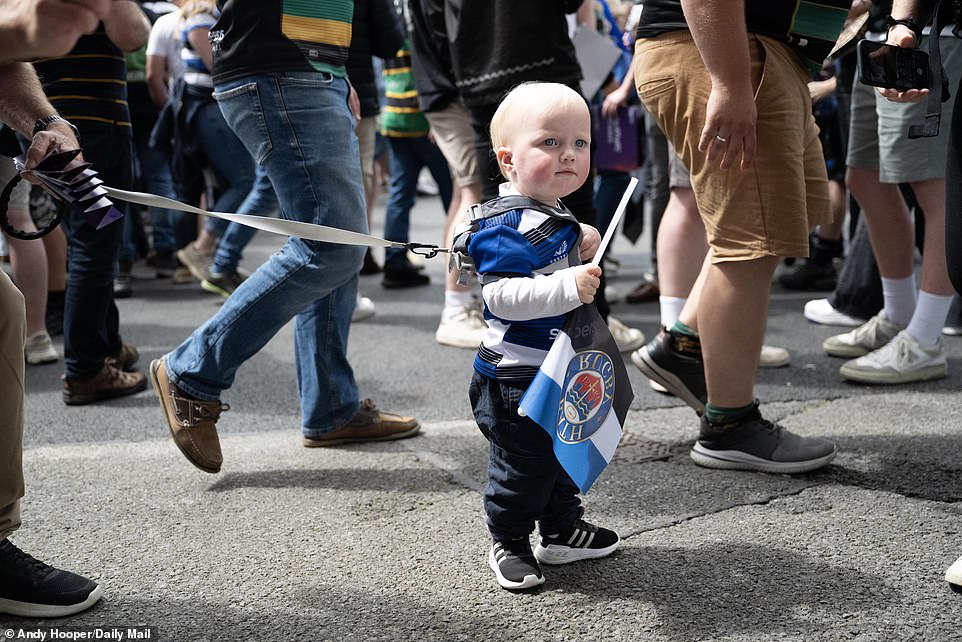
758	444
680	374
30	588
515	565
583	541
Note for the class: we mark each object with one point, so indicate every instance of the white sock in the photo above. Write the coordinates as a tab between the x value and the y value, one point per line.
455	300
670	307
930	314
899	296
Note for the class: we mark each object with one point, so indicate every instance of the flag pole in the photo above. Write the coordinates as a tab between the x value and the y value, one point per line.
610	232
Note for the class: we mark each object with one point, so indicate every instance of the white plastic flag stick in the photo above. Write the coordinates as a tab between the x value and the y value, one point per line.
614	221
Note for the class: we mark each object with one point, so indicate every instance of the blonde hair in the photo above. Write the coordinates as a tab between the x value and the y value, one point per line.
526	100
194	7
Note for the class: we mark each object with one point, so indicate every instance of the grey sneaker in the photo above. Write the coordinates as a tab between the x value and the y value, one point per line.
901	360
194	260
871	335
758	444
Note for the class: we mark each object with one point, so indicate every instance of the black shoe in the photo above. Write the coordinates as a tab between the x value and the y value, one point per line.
808	275
404	278
123	289
222	284
514	564
757	444
682	375
583	541
30	588
164	263
370	266
645	291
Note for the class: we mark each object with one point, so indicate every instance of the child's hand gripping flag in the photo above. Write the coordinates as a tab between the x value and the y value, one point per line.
581	393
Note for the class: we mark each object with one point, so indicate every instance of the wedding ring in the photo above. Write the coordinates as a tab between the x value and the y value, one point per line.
720	139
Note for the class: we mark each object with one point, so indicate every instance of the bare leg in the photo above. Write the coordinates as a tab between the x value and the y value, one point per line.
55	248
887	218
732	314
29	263
681	240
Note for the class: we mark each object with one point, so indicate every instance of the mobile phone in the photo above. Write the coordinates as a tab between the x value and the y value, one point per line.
882	65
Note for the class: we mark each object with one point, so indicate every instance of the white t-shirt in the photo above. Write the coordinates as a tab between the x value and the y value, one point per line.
165	42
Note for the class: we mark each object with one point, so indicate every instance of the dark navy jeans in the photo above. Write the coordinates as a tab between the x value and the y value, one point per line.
525	481
91	321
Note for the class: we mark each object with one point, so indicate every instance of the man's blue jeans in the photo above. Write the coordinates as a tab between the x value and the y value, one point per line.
260	201
298	125
408	156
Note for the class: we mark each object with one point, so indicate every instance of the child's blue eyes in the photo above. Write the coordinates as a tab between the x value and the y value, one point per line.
553	142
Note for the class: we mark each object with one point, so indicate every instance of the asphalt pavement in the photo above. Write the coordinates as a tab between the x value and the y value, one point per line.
387	541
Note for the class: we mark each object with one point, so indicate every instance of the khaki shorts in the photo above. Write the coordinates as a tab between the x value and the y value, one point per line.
768	209
453	134
366	133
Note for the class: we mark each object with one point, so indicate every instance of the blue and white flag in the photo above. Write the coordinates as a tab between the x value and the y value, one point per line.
581	396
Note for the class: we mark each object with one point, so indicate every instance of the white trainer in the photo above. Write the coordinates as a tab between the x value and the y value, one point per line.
363	309
821	311
871	335
463	327
628	339
954	574
773	357
901	360
39	349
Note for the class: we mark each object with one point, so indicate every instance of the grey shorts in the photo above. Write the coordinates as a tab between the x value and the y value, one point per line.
879	140
452	132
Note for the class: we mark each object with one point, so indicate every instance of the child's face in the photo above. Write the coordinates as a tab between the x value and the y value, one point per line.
547	155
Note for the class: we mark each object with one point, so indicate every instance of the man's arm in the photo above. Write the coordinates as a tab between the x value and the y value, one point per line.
718	28
22	103
45	28
157	80
902	36
127	26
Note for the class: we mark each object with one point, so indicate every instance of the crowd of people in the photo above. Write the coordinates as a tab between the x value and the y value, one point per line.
245	107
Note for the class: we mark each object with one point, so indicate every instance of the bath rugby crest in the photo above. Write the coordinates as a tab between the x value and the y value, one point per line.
589	387
581	395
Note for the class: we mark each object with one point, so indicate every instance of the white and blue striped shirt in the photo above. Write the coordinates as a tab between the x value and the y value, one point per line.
523	258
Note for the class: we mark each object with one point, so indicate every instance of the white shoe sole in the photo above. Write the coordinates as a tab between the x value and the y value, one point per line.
738	460
28	609
847	351
927	373
528	581
954	574
557	555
